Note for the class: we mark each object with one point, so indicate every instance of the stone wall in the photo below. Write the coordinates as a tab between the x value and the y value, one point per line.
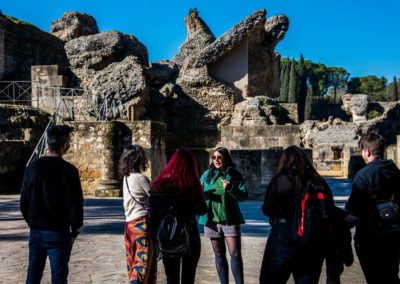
46	82
260	137
391	153
258	167
23	45
97	146
351	161
151	136
20	129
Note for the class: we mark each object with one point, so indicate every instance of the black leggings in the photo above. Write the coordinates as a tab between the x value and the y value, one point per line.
189	264
221	263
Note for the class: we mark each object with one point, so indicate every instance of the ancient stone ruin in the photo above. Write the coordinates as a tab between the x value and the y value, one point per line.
214	91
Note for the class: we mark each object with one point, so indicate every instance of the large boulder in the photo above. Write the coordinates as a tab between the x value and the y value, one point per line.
120	84
100	50
73	25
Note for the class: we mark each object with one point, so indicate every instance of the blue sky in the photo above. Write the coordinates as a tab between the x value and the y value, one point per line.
362	36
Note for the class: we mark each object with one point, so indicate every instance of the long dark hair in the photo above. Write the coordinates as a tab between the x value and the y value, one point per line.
180	173
295	163
133	160
228	162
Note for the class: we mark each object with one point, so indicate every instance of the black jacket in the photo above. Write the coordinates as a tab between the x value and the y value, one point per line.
377	180
51	196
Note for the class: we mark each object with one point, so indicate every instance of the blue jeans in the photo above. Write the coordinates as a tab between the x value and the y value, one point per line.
283	256
55	244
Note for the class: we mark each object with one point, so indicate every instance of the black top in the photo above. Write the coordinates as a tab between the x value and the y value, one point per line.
51	195
280	198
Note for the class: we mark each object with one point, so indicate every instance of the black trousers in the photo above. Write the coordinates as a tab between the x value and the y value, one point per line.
379	258
188	263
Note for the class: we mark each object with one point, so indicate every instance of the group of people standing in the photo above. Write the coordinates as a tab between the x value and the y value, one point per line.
214	197
52	205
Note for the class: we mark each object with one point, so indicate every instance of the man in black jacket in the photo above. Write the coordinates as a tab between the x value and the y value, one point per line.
52	205
377	251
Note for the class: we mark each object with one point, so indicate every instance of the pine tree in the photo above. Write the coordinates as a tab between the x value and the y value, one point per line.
292	93
283	68
285	82
395	93
309	103
302	87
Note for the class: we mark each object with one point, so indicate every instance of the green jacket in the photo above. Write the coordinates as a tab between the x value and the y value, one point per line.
235	192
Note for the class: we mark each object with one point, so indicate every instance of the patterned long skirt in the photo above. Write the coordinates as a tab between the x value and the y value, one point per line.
140	256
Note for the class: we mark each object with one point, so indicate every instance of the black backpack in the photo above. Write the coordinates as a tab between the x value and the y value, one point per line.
172	238
311	222
386	215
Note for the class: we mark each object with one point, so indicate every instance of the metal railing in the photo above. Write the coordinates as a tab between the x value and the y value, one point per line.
20	92
16	92
41	146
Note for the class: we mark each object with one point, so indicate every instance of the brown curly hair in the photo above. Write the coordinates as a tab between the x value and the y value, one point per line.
133	160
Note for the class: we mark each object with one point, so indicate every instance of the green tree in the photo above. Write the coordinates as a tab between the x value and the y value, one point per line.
373	86
286	81
292	93
309	103
337	78
395	90
302	87
284	72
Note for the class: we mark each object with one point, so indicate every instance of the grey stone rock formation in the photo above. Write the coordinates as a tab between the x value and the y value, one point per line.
90	54
356	105
216	74
230	39
73	25
99	50
199	36
388	124
121	84
259	111
275	29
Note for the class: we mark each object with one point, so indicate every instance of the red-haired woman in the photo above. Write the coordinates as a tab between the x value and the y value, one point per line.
139	247
179	185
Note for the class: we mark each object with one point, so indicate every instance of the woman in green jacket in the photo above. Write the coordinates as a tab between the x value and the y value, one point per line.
224	188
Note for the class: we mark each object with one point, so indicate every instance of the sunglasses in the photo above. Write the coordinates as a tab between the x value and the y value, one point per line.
217	158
